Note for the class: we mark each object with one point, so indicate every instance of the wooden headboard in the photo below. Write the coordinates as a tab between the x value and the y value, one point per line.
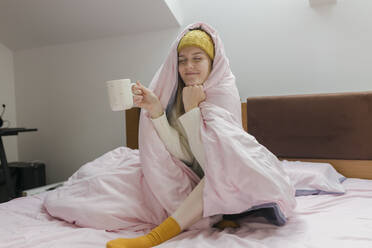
332	128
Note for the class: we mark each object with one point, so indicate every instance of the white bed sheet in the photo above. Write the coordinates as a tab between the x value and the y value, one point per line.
320	221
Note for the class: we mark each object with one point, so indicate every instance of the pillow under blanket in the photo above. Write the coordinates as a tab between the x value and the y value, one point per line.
310	178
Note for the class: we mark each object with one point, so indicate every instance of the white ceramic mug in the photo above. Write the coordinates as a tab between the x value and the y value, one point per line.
120	94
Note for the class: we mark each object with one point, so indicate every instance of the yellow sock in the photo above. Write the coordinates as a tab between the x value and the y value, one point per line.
165	231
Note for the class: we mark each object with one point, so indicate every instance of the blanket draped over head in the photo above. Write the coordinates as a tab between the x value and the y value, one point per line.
126	190
240	173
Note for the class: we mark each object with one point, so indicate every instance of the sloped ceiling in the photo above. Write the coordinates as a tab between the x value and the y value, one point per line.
26	24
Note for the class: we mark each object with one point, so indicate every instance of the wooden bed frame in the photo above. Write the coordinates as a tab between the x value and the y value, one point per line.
280	123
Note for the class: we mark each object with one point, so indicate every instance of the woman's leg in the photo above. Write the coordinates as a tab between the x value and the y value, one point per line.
188	213
191	210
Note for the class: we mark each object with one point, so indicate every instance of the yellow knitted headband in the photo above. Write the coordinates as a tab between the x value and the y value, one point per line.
200	39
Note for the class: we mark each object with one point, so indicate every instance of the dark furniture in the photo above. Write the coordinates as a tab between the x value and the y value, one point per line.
4	163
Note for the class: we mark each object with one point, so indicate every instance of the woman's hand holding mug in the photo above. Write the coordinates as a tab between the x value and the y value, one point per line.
145	98
192	96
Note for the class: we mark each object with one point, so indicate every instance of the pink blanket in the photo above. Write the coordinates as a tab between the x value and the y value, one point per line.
127	190
319	221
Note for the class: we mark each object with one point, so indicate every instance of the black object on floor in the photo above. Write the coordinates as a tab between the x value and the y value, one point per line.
29	175
25	175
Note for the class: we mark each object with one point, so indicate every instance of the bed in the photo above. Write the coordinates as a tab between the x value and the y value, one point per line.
333	128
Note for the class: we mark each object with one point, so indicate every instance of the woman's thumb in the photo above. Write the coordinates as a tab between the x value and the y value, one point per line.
143	88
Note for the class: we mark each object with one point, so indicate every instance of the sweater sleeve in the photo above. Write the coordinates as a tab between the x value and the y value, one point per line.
191	122
172	139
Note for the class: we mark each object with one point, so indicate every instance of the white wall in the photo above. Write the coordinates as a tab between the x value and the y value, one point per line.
276	47
279	47
61	91
7	97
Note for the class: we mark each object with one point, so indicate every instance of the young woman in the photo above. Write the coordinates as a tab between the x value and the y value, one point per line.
194	106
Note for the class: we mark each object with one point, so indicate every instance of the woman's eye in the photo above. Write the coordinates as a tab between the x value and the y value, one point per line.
197	58
181	61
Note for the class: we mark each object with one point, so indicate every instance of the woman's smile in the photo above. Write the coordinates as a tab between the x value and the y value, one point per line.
191	73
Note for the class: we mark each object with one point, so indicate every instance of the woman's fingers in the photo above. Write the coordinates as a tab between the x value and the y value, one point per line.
193	95
137	100
148	98
137	92
139	85
195	89
142	88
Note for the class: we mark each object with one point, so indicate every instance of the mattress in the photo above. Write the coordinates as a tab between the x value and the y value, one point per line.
319	221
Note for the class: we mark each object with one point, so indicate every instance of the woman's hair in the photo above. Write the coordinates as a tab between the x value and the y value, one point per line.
178	104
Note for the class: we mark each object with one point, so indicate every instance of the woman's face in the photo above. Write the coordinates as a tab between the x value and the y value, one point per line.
194	65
